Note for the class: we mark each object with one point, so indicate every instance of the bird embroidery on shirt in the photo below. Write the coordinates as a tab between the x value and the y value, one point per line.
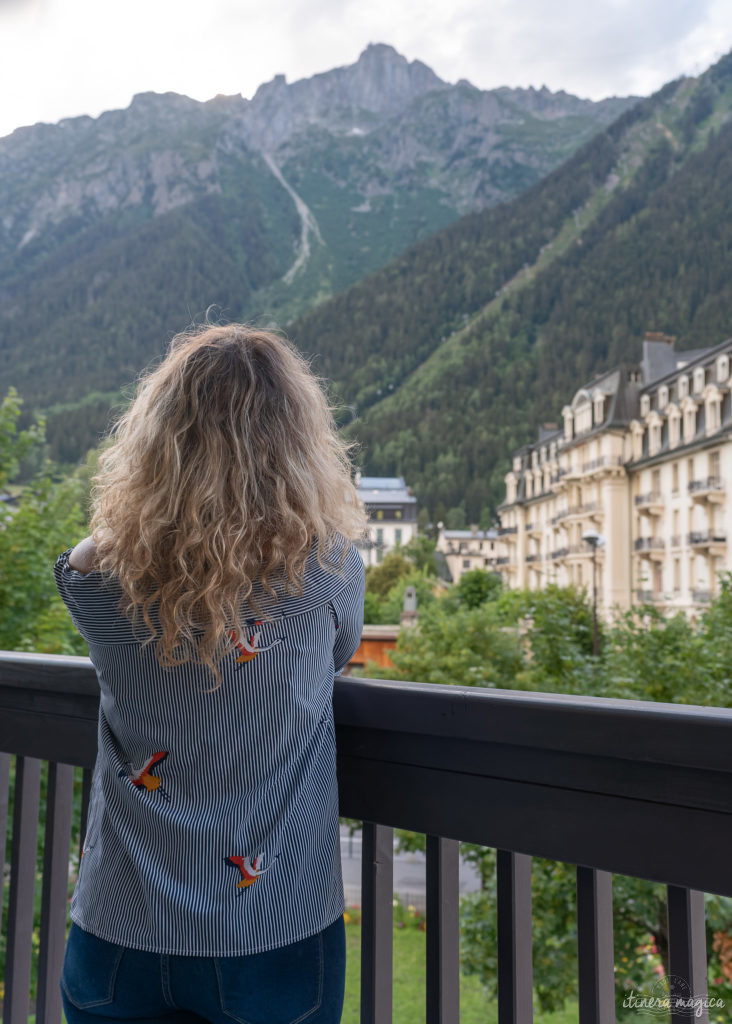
249	868
249	648
142	778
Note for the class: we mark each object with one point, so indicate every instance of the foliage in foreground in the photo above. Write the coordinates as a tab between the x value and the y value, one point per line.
46	518
543	640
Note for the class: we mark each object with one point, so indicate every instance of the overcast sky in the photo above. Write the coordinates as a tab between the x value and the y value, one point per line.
61	58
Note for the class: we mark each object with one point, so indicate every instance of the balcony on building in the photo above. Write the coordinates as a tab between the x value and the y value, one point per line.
713	540
700	595
709	488
612	786
651	502
583	510
650	547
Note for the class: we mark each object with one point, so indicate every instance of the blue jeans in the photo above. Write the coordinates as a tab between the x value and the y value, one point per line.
301	983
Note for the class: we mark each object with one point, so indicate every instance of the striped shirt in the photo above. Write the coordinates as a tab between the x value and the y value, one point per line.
213	815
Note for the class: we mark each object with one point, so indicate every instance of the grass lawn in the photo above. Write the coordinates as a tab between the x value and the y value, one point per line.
409	985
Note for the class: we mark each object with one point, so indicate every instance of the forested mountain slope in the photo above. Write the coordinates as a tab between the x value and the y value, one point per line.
633	233
117	231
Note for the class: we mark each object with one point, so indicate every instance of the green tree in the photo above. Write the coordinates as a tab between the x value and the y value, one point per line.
47	519
477	586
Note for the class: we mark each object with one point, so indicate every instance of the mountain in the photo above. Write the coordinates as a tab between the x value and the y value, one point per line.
116	231
449	358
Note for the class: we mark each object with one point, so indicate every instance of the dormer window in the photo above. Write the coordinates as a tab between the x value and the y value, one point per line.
723	369
654	439
699	380
713	411
645	405
662	397
568	423
673	427
637	429
689	425
683	386
599	404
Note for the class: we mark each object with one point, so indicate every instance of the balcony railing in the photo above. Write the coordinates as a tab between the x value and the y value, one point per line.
560	552
582	510
649	544
700	596
533	557
504	530
706	485
613	786
649	500
707	538
646	596
601	463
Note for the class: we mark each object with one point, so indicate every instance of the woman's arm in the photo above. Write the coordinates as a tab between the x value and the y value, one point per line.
348	608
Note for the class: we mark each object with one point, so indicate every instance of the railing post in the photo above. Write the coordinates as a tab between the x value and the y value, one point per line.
595	956
16	1006
443	930
4	804
377	923
515	971
59	804
687	958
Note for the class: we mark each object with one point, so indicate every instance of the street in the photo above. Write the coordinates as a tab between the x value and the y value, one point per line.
409	873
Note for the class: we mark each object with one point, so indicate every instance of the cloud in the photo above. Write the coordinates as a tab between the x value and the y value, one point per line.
61	59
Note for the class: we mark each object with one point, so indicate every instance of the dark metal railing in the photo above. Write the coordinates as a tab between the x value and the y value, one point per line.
709	483
613	786
649	544
651	498
705	537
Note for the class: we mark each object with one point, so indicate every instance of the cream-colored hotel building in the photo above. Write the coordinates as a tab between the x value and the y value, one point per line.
643	458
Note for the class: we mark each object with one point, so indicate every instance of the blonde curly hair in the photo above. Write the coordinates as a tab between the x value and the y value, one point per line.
223	473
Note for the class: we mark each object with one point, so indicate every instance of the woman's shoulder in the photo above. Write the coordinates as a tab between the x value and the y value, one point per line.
83	557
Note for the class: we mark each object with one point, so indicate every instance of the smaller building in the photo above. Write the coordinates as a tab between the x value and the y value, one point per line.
392	512
464	550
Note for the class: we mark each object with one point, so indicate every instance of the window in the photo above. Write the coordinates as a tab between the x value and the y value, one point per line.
398	513
689	470
568	424
673	431
689	425
380	537
683	387
656	481
699	380
662	397
723	369
380	513
466	563
714	464
677	575
654	439
675	478
645	405
714	418
397	536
